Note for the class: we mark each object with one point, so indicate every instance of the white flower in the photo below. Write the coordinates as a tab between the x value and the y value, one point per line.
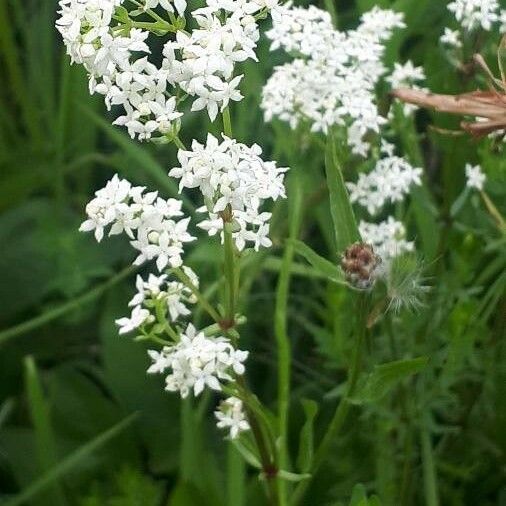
147	219
387	238
138	317
231	416
389	181
197	361
333	80
475	177
451	38
473	14
199	64
231	174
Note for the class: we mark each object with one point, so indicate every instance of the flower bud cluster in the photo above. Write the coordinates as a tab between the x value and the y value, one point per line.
235	181
101	35
333	79
148	220
159	299
196	362
230	415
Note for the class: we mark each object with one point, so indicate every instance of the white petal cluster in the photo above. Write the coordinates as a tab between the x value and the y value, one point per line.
148	220
158	298
231	174
406	75
475	177
389	181
473	14
387	238
199	64
230	415
333	79
196	362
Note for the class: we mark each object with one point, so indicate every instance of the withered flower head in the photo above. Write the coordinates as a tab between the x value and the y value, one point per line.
359	263
487	107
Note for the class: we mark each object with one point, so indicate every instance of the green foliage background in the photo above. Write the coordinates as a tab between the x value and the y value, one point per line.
82	424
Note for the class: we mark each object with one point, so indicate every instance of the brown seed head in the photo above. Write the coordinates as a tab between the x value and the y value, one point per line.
359	263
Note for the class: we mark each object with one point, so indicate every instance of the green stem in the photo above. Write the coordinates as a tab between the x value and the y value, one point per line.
230	273
49	316
179	273
179	143
281	333
227	123
429	470
343	408
494	212
235	477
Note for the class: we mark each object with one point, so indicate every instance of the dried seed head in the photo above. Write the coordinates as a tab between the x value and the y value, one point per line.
359	263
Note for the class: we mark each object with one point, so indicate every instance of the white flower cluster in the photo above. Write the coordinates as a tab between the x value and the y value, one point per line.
232	175
159	298
200	63
473	14
332	81
406	75
387	238
197	361
148	220
230	415
389	181
475	177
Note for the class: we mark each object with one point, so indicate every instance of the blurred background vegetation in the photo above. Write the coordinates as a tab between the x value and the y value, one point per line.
80	421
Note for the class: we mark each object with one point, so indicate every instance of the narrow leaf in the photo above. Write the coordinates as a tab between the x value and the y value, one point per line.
44	437
345	225
385	376
322	265
69	463
306	440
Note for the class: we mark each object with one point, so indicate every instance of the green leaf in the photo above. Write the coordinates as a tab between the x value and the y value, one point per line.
322	265
358	496
293	477
44	437
306	439
69	463
345	225
386	376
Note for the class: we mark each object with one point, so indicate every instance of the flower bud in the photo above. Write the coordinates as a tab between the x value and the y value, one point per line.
359	263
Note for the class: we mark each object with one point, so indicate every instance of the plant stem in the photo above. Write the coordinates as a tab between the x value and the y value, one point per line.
345	404
429	470
492	209
230	273
227	123
268	465
235	477
281	334
179	273
179	143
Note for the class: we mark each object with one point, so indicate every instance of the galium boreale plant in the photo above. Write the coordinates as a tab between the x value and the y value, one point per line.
329	86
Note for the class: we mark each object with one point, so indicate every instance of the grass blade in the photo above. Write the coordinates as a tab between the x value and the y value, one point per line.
69	463
44	437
